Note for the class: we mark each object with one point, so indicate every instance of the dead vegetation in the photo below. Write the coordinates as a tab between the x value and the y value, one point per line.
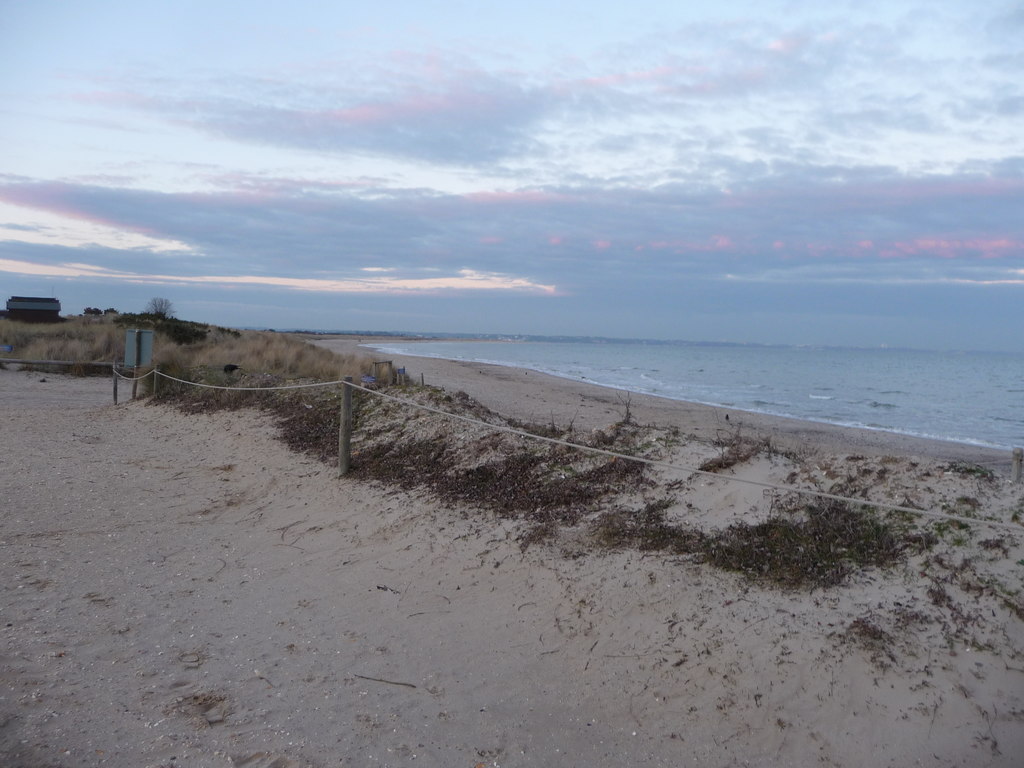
813	544
502	472
735	448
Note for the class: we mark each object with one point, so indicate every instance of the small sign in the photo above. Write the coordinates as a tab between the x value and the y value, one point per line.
6	348
138	348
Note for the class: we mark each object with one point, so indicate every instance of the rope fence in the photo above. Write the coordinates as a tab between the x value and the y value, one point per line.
349	386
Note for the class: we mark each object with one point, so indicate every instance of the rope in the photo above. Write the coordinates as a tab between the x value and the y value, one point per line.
252	389
626	457
132	378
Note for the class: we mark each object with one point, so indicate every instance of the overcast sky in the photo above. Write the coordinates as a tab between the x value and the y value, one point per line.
781	172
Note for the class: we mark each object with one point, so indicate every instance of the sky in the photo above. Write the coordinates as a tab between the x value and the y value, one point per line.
842	173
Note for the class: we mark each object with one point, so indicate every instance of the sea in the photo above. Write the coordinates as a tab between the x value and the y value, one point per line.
968	397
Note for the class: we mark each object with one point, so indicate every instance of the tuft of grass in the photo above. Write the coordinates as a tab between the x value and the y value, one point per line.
821	548
866	633
647	530
971	470
735	449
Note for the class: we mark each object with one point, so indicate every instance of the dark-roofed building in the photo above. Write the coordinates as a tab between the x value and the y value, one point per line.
33	309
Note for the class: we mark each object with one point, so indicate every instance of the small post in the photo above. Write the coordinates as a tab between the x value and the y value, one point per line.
156	378
138	359
1018	463
345	432
113	371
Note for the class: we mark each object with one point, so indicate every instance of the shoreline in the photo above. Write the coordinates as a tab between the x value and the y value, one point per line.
597	405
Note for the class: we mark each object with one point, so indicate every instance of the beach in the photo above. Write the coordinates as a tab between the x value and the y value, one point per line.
533	396
184	590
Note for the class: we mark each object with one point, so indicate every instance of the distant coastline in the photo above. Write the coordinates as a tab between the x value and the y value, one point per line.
566	339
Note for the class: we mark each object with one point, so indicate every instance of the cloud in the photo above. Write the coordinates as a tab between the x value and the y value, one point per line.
464	280
456	117
688	100
558	236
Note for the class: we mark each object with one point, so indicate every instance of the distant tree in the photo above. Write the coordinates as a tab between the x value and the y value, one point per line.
92	311
109	311
159	307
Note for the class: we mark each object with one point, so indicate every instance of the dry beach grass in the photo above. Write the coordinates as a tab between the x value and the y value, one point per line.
101	340
185	589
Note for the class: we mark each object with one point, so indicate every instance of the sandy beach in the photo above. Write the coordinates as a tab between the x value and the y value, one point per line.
184	590
537	397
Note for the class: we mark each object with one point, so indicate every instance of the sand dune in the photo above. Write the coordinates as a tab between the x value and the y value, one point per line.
184	590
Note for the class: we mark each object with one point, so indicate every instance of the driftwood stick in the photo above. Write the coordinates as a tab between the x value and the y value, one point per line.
381	680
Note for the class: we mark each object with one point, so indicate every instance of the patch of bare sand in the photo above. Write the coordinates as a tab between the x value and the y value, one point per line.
183	590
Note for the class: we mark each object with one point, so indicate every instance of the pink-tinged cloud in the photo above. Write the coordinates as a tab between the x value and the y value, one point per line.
948	248
491	240
462	281
602	245
439	113
556	240
55	198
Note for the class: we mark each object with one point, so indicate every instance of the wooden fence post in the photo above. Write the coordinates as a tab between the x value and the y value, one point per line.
113	372
345	432
1018	462
156	376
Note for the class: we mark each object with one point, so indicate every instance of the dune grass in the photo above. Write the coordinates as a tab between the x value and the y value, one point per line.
84	341
263	355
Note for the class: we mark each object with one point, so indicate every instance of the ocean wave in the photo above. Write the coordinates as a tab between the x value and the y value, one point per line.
821	397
